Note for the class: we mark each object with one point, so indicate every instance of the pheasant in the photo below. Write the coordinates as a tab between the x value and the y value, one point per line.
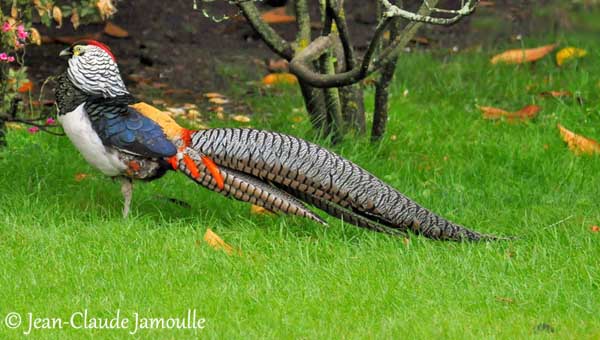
131	140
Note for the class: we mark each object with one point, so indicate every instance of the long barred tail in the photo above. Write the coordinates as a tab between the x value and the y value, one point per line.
319	177
240	186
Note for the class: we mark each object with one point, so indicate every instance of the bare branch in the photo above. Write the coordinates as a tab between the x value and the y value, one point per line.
268	34
300	64
337	12
394	11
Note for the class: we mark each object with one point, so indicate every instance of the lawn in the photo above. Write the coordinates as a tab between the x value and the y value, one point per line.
65	248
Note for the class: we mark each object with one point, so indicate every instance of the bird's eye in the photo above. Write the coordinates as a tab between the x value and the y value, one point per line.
78	50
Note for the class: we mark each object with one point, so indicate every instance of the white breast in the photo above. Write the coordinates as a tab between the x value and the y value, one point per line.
79	129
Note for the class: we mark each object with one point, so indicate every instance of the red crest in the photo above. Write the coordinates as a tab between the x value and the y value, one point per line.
98	44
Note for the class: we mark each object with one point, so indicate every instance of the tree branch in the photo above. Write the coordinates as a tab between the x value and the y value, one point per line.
300	63
267	34
394	11
337	13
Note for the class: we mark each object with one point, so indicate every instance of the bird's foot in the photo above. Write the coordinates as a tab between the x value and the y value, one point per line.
127	191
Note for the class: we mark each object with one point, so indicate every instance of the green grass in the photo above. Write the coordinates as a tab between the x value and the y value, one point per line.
64	247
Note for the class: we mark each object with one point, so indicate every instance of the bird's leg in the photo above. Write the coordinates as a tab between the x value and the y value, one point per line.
127	191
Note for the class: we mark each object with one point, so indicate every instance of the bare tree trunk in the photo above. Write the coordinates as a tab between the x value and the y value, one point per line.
353	107
380	114
315	106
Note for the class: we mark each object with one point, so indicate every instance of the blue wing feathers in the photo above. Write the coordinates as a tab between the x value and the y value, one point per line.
123	127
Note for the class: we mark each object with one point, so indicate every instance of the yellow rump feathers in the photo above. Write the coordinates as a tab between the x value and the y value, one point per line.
168	124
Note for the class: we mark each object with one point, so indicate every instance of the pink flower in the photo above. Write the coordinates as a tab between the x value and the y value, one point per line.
6	27
21	33
10	59
33	129
3	56
50	121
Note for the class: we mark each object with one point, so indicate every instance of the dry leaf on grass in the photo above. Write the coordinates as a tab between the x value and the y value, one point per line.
595	229
210	95
216	242
528	112
115	31
218	100
279	78
258	210
504	299
277	16
569	53
80	177
556	94
241	118
518	56
579	144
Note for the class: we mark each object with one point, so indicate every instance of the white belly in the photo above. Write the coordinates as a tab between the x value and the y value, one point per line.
79	129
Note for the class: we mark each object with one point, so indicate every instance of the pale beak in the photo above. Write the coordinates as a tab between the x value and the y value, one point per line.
66	52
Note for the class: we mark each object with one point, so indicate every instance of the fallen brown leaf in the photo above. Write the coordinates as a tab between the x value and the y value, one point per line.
279	78
210	95
115	31
241	118
569	53
595	229
504	299
528	112
518	56
80	177
258	210
277	16
217	109
556	94
579	144
218	100
216	242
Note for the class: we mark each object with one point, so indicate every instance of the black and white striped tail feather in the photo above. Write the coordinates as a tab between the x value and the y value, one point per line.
325	180
248	189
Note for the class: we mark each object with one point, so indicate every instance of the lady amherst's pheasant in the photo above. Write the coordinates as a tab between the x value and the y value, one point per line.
128	139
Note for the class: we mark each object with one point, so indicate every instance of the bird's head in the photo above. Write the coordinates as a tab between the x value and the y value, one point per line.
93	69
